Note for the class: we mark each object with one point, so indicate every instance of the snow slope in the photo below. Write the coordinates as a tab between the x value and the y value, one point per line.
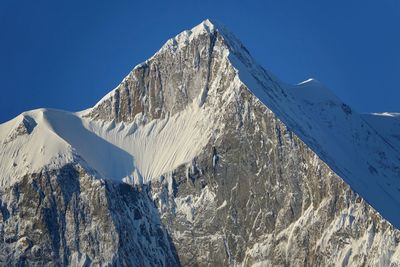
24	151
160	146
387	125
118	151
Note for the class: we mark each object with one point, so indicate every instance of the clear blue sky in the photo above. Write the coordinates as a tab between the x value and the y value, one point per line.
68	54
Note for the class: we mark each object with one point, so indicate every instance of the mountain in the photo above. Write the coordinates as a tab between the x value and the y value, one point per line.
201	157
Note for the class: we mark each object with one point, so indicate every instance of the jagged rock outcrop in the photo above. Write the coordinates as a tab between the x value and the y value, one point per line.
168	82
224	165
68	217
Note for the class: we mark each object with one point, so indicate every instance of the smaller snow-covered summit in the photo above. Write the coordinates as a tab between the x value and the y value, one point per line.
28	144
313	91
24	125
49	139
387	125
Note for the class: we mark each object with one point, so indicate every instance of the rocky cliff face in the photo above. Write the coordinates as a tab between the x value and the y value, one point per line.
253	189
68	217
259	195
168	82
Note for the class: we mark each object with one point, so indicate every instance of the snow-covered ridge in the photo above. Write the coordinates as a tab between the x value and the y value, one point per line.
30	151
118	151
387	124
341	137
387	114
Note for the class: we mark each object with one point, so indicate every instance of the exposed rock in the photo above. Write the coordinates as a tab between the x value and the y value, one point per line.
24	127
67	217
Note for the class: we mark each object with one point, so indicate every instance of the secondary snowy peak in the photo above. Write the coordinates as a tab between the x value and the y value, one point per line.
387	125
24	125
28	144
352	148
118	151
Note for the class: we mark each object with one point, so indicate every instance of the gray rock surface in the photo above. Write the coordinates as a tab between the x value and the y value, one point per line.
270	199
67	217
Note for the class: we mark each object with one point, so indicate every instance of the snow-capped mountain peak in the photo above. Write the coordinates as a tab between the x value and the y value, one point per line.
142	119
223	151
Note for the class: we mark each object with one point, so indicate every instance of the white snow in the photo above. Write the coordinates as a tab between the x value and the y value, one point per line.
342	254
28	153
387	125
118	151
161	145
223	205
185	37
189	205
